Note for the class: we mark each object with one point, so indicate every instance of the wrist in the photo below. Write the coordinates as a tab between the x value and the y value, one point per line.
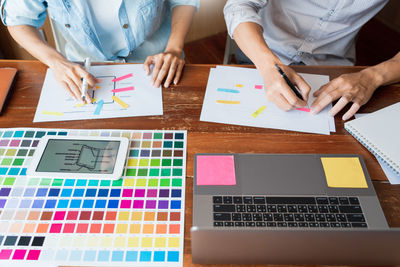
267	62
374	77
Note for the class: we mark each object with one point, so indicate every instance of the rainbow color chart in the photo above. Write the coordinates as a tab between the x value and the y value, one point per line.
137	220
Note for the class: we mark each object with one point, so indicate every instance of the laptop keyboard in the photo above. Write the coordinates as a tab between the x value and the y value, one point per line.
300	212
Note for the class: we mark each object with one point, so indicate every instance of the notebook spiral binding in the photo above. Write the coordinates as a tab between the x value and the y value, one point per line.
374	150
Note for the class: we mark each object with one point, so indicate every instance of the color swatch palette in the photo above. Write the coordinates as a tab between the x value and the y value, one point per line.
137	220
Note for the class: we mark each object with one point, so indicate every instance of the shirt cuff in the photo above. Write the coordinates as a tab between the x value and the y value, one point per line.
195	3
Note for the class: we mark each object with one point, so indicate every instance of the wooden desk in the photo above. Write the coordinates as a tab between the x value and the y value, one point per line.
182	107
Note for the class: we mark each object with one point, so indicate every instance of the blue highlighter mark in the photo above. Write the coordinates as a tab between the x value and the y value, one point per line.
228	90
98	107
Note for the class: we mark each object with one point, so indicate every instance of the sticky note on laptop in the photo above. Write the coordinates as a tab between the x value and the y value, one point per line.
344	172
215	170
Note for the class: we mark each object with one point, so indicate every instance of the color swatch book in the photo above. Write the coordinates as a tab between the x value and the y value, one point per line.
137	220
123	91
379	132
236	96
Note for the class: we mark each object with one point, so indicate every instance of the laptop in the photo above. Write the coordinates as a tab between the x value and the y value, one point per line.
286	209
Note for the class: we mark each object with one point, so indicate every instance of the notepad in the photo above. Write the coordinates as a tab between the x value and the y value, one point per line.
7	77
215	170
379	132
344	172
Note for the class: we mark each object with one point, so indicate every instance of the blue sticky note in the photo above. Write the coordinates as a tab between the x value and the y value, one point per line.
75	203
37	203
102	193
50	204
54	192
66	192
81	182
176	193
19	134
42	192
104	255
117	256
79	192
69	182
98	107
13	171
113	204
62	204
115	192
89	255
88	203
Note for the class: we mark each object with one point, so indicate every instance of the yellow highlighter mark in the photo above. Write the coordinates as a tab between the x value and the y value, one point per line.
258	111
52	113
344	172
120	102
228	102
239	85
79	105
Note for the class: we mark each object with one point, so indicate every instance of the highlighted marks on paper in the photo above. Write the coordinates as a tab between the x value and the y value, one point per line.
122	77
120	102
228	90
96	88
79	105
98	107
304	109
239	85
52	113
258	111
130	88
344	172
215	170
258	87
228	102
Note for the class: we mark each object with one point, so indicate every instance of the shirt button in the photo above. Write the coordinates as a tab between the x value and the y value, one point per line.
67	26
310	39
299	53
331	12
125	26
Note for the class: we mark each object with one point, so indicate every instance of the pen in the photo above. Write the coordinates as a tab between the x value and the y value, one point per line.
289	83
87	64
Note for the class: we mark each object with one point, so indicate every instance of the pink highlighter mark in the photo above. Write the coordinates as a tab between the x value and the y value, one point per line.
215	170
258	87
304	109
130	88
122	77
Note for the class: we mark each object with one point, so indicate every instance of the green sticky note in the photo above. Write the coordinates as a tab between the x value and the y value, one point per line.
9	181
178	144
117	182
18	162
6	162
155	162
178	162
144	162
177	172
154	172
165	172
130	172
166	162
142	172
158	136
45	181
57	182
105	183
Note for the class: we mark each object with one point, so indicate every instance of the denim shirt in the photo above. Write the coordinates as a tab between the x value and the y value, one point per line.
139	19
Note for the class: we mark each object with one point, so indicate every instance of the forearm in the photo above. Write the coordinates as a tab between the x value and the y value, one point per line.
385	73
249	37
181	21
31	40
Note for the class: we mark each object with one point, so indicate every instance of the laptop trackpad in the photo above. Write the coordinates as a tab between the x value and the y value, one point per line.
280	174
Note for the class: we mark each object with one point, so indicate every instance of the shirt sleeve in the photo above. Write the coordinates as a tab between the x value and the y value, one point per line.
23	12
239	11
195	3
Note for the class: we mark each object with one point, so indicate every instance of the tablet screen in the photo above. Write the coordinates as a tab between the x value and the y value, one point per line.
79	156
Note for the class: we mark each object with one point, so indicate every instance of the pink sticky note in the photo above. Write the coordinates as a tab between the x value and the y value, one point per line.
304	109
258	86
122	77
215	170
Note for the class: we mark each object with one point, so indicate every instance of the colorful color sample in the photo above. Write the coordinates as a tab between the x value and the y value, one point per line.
137	220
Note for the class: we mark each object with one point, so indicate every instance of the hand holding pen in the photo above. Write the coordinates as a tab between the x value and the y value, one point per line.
283	86
84	95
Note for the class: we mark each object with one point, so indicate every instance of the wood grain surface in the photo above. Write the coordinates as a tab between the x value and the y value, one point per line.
182	107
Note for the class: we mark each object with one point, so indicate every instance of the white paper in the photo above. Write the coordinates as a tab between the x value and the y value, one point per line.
242	82
55	104
392	176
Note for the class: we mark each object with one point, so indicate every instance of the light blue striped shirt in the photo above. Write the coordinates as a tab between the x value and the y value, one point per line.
315	32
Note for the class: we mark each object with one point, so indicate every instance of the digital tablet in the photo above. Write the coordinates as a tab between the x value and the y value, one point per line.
79	157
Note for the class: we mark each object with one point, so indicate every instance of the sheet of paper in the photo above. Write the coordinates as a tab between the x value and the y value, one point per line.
215	170
390	174
236	96
124	91
344	172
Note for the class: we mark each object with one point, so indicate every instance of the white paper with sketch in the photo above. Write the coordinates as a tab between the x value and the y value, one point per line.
124	91
236	96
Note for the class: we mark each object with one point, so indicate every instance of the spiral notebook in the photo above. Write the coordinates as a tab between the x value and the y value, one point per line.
379	132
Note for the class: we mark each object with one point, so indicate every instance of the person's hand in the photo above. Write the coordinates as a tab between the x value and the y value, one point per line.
70	75
279	92
354	87
167	65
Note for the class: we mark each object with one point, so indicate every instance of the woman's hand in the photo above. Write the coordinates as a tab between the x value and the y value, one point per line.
70	75
167	66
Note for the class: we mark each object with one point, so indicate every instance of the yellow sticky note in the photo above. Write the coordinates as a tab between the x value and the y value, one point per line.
344	173
120	102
